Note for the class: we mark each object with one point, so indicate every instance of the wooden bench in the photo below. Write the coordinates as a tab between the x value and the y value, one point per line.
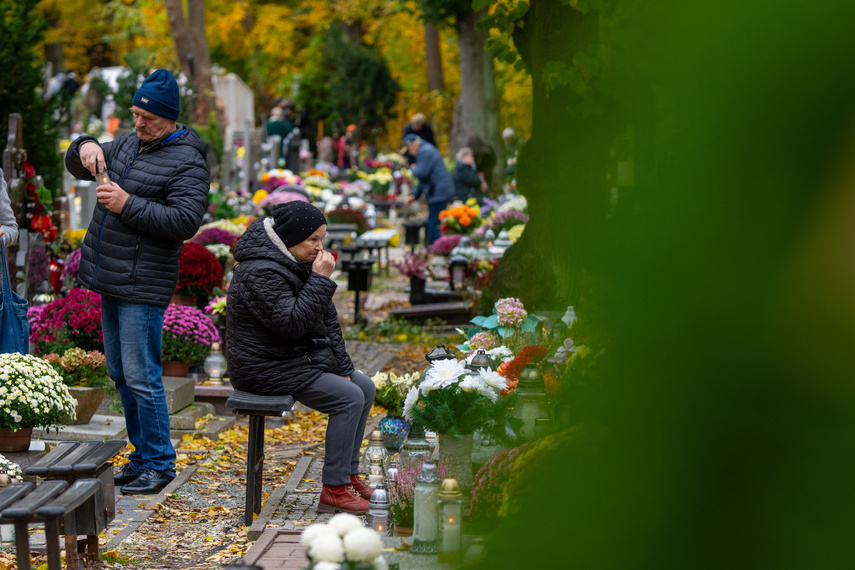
257	407
456	312
78	490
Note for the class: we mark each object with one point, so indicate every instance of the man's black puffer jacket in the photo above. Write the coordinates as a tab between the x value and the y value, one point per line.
283	330
134	255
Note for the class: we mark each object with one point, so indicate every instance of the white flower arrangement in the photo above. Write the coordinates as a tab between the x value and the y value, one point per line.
343	543
499	355
32	393
10	468
518	203
443	373
220	250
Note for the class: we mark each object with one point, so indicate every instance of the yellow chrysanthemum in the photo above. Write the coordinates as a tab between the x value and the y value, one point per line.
259	196
515	232
395	240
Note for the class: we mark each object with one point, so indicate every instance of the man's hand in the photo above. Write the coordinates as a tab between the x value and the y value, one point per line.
409	199
324	264
112	196
1	231
92	157
347	377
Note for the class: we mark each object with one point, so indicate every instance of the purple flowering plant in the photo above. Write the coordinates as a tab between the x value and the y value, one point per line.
211	236
72	265
187	334
505	220
509	318
445	244
402	490
70	321
414	264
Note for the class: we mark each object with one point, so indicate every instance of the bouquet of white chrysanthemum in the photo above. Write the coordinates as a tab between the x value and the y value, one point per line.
32	393
454	400
343	543
10	468
391	391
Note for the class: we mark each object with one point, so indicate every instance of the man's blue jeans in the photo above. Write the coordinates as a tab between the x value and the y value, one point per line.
132	340
433	221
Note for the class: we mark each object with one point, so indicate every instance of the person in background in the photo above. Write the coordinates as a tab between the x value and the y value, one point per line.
153	202
485	156
435	183
278	125
285	338
8	225
467	182
418	126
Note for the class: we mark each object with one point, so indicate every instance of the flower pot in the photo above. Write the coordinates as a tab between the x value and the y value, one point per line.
17	440
393	441
88	400
186	300
456	453
403	531
417	291
175	368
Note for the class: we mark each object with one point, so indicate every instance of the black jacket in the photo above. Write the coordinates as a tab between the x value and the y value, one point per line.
134	255
283	330
467	183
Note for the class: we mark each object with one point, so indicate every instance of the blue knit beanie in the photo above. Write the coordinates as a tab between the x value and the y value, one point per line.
159	94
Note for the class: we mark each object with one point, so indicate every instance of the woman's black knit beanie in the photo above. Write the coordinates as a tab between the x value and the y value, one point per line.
295	221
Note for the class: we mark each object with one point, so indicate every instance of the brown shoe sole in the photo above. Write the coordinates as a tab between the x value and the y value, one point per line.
323	508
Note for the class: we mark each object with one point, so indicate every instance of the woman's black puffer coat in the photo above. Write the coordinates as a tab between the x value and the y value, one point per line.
283	330
134	255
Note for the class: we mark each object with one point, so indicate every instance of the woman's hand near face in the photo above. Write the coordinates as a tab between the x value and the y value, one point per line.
324	264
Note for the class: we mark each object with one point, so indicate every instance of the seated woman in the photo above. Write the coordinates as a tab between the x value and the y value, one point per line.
284	338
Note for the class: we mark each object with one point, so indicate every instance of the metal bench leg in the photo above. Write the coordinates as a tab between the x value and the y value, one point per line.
254	467
22	545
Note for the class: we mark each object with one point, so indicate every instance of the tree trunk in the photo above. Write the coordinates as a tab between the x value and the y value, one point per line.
433	57
477	110
207	100
180	34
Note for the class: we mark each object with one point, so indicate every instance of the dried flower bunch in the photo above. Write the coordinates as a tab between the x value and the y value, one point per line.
71	321
187	334
414	264
391	390
402	490
344	542
199	271
80	368
32	393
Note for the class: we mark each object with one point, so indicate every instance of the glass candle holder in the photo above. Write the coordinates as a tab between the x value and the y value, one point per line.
426	492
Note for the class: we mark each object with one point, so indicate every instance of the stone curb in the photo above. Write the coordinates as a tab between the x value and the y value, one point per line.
275	498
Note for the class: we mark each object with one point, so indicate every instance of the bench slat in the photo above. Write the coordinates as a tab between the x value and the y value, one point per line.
44	493
65	465
40	467
240	401
99	457
80	491
13	493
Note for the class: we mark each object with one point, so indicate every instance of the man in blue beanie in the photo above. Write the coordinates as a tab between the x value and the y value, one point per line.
152	200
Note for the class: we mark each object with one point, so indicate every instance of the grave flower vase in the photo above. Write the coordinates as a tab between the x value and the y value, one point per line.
456	453
88	400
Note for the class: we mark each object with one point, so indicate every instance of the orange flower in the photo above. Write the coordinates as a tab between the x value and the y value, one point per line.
465	220
443	214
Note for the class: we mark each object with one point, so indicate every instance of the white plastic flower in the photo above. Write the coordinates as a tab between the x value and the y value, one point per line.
409	401
380	379
314	531
477	384
344	523
380	563
444	373
500	354
326	566
363	544
493	379
327	548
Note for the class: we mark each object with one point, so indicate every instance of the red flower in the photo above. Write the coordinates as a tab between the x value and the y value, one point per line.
44	226
199	271
29	170
513	368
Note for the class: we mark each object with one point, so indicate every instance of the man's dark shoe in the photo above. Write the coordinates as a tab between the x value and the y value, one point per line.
148	483
126	474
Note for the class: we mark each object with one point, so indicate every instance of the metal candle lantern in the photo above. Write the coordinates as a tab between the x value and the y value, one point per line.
450	508
481	361
413	233
376	453
392	472
438	353
457	270
531	400
415	446
358	279
489	237
426	494
215	364
378	511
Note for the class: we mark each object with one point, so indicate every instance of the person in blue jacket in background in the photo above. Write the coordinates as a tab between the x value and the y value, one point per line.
435	182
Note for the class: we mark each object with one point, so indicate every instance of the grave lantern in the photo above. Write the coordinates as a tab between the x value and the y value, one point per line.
415	446
457	270
450	507
531	400
215	365
489	237
358	279
438	353
481	361
392	472
378	511
425	497
413	233
376	453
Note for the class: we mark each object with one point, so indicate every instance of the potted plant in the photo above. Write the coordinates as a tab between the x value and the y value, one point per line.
32	394
414	265
402	494
187	338
199	272
454	402
390	393
85	374
70	321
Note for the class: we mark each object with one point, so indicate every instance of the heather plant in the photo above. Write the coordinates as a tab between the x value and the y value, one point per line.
81	368
402	490
187	334
414	264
